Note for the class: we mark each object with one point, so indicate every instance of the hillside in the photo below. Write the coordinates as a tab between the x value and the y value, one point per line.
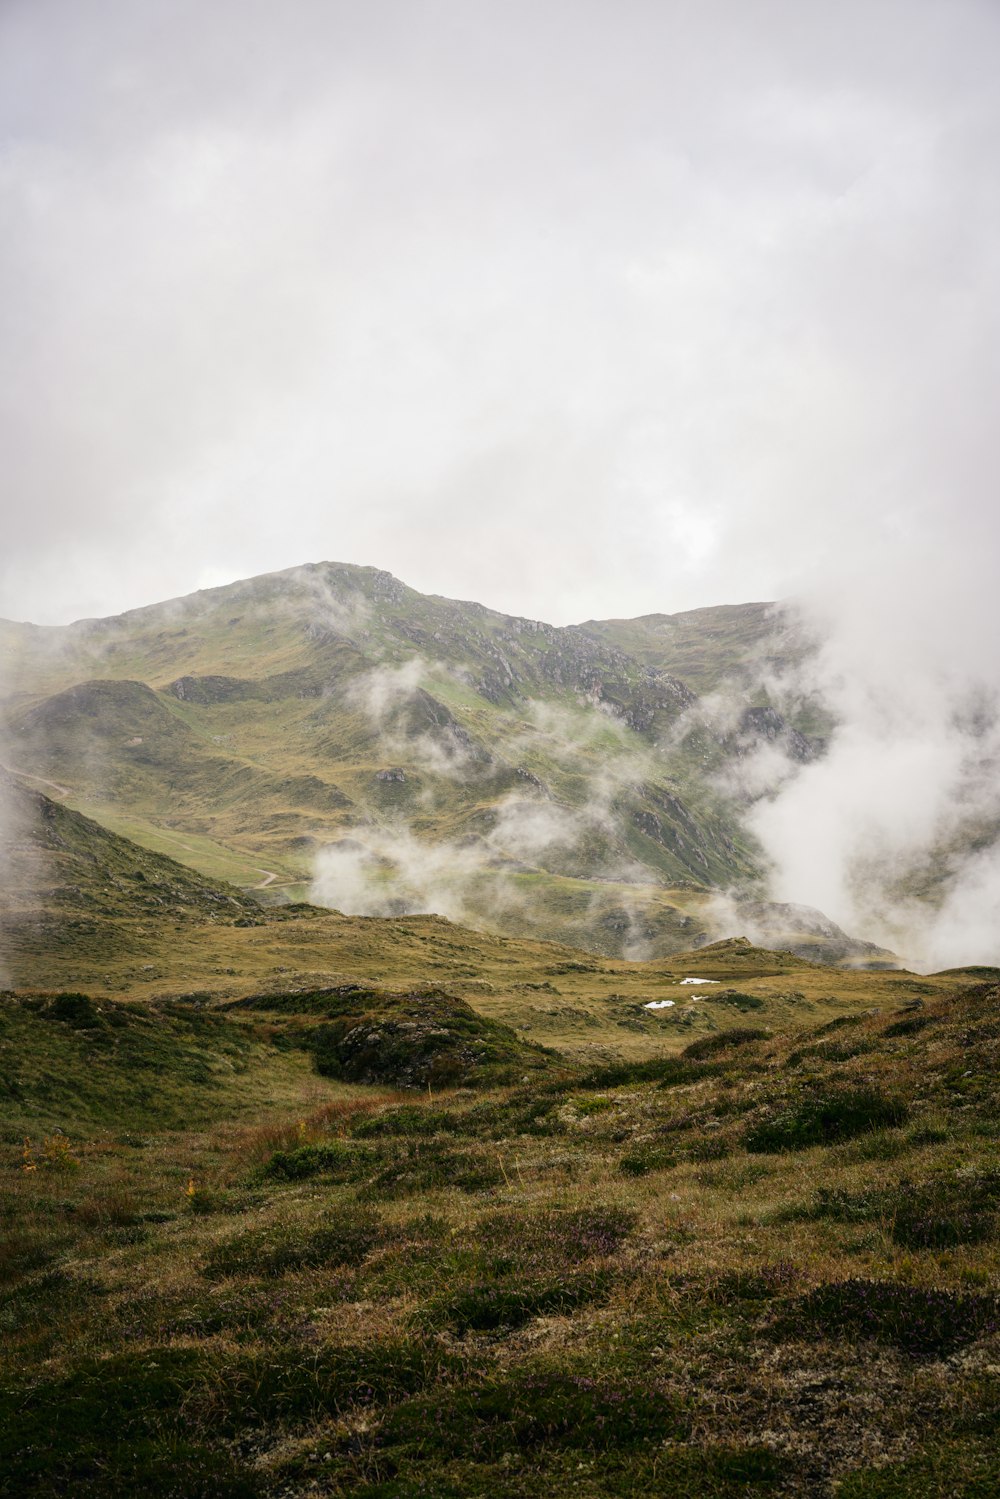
82	908
764	1263
329	733
708	647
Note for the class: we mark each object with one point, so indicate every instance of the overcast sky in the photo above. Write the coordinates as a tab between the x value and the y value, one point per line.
576	307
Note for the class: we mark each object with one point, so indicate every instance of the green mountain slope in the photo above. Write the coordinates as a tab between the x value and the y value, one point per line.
83	908
409	753
707	646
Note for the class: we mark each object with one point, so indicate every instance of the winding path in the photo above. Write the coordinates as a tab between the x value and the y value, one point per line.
26	775
270	875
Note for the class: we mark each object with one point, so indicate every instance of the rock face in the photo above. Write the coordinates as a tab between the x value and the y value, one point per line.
757	724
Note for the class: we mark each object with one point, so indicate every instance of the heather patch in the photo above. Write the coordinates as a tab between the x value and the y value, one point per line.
710	1046
427	1165
922	1322
530	1114
736	999
408	1119
330	1159
912	1025
492	1306
535	1410
570	1236
648	1157
936	1214
344	1240
825	1118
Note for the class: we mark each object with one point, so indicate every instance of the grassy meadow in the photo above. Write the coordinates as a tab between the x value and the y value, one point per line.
297	1203
241	1259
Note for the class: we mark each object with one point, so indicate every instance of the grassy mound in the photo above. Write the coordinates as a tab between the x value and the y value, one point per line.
76	1063
426	1038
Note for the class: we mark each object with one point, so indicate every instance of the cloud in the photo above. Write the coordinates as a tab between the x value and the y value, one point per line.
524	303
895	832
413	726
341	610
572	314
383	690
386	869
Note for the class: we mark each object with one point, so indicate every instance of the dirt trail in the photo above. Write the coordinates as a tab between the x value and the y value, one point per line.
270	875
26	775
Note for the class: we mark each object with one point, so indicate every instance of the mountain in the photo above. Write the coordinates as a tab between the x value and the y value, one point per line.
84	908
329	732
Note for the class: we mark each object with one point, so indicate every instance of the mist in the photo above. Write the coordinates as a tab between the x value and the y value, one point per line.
579	310
895	830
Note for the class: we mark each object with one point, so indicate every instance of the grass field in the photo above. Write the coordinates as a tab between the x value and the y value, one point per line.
763	1264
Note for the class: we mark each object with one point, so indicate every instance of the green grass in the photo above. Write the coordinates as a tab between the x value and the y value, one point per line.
75	1063
327	1287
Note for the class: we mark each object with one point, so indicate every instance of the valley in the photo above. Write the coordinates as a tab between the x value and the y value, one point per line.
386	753
389	1107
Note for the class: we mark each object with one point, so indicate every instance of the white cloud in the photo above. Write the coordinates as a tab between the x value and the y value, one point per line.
570	313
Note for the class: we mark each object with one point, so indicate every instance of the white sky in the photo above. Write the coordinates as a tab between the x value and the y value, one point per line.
576	307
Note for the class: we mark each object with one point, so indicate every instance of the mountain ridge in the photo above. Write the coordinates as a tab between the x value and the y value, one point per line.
504	771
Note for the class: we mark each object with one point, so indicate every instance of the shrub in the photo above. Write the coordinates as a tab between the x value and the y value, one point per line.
491	1305
119	1434
345	1241
557	1236
73	1009
920	1322
710	1046
937	1214
736	998
517	1115
646	1158
421	1038
409	1119
553	1410
823	1119
943	1214
910	1026
339	1162
426	1165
